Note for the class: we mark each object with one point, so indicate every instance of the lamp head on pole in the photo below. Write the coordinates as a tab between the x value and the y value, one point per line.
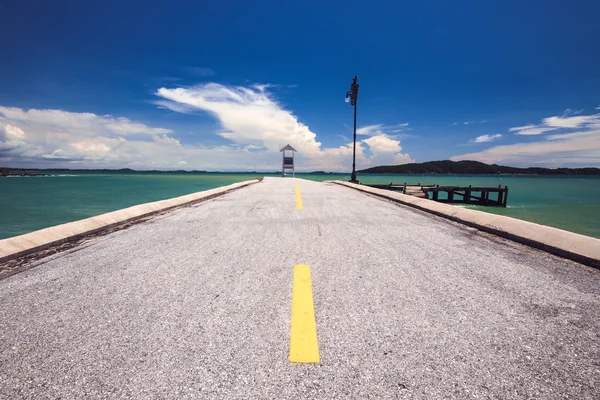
352	94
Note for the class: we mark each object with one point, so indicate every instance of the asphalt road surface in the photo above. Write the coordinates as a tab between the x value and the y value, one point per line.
197	304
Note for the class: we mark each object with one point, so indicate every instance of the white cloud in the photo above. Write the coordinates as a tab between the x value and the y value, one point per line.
378	129
251	116
383	144
570	111
572	122
564	122
369	130
530	130
35	137
254	123
78	122
384	131
573	151
11	139
485	138
577	144
13	132
125	127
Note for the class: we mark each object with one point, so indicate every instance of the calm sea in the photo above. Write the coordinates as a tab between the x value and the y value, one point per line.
31	203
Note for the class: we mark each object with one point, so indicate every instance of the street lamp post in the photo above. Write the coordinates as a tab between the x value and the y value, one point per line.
352	97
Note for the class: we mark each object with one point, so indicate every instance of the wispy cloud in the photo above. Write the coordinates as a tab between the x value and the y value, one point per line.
482	121
378	129
569	120
530	130
576	143
570	111
485	138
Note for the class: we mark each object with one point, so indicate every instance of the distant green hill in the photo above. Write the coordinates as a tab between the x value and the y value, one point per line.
472	168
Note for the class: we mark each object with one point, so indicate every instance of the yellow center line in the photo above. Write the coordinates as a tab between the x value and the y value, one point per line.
304	346
298	198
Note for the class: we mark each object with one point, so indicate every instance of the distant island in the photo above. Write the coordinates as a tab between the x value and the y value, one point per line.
447	167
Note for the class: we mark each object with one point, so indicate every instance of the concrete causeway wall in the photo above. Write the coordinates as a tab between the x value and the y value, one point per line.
576	247
29	243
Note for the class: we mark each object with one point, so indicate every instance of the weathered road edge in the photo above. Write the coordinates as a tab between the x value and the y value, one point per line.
33	242
573	246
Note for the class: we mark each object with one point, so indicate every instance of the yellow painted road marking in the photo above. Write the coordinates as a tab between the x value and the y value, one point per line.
304	346
298	198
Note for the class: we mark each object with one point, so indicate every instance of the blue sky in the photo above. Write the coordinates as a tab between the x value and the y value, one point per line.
221	85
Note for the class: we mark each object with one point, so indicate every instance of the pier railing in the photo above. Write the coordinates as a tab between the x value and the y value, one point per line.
453	194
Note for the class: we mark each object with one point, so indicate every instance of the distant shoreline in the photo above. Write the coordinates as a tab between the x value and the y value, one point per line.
432	168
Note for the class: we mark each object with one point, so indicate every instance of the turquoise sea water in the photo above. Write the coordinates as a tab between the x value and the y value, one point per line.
31	203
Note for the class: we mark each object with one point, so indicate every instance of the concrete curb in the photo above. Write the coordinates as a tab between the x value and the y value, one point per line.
23	245
573	246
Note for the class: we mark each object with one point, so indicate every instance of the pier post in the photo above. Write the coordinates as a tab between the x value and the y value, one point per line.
505	196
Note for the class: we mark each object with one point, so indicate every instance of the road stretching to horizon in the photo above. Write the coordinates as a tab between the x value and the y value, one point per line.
377	300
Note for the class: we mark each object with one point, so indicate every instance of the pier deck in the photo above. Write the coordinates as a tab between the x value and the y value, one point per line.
196	304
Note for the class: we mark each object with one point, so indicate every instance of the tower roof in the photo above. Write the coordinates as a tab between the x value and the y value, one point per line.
288	147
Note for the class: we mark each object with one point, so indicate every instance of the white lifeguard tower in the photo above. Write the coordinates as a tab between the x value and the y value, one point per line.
288	162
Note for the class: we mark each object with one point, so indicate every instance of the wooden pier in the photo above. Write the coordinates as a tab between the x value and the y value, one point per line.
453	194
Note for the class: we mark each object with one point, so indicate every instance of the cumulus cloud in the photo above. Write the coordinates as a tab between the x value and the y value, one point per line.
35	137
576	143
254	124
485	138
56	138
11	138
251	116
